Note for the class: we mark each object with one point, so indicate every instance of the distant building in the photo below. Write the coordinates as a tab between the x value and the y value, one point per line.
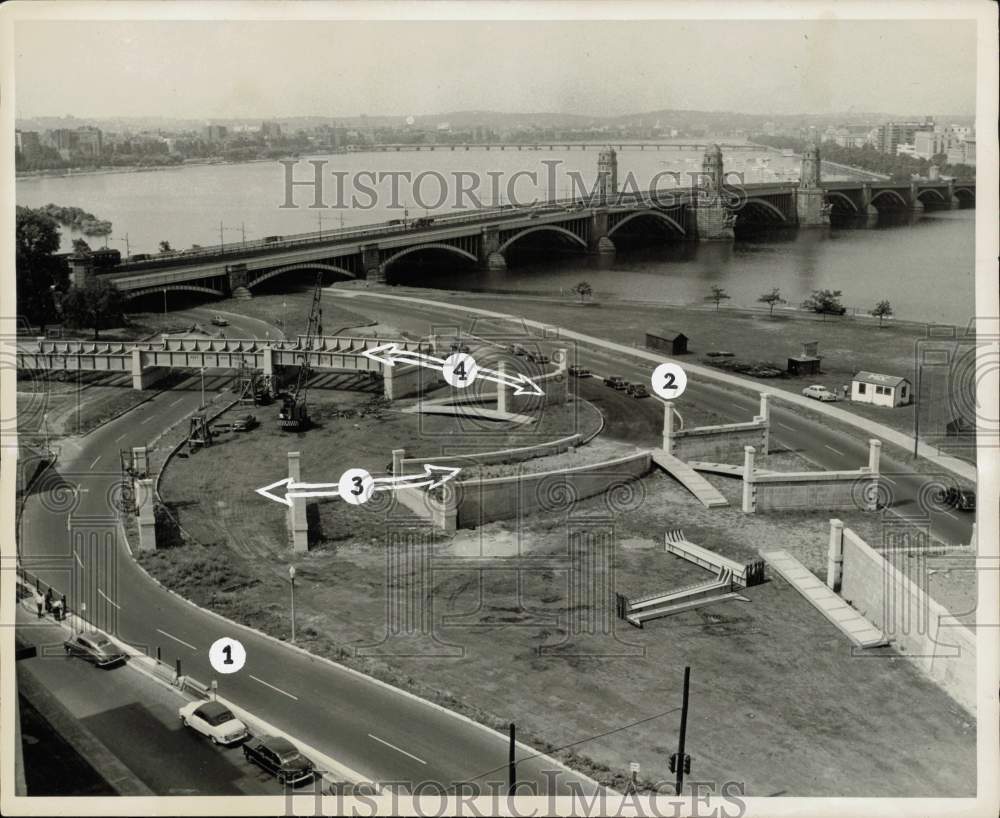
806	362
215	133
962	153
880	390
89	142
929	143
270	130
28	143
904	149
892	134
673	343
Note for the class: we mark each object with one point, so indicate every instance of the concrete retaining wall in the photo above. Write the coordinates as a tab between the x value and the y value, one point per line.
918	627
403	380
720	444
415	465
483	501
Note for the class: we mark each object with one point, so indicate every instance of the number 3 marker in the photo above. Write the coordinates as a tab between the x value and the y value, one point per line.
669	381
356	486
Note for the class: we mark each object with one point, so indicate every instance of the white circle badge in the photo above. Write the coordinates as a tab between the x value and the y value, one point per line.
669	381
460	370
227	655
356	486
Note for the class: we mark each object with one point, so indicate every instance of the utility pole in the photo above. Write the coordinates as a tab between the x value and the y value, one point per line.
243	230
164	300
291	577
681	762
916	414
202	388
222	241
512	764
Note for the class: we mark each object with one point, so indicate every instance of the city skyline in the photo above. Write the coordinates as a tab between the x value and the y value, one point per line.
159	68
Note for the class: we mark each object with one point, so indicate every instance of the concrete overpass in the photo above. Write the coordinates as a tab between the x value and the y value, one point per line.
709	211
148	361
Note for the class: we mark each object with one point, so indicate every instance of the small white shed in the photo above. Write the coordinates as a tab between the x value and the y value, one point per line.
881	390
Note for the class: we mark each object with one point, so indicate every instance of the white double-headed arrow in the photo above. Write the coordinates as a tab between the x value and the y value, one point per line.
391	354
432	477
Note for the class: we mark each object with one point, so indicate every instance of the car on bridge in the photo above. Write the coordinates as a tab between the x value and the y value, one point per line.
819	392
280	758
95	648
215	720
219	321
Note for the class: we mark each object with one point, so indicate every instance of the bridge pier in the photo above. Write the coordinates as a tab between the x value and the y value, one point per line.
296	520
712	217
599	240
490	256
371	261
144	497
143	377
238	281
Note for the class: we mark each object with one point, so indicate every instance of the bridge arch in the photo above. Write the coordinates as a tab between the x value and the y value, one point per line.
934	191
663	217
305	265
128	295
891	193
835	196
766	206
431	246
965	193
551	228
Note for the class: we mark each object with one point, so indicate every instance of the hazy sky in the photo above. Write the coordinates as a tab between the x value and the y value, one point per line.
258	69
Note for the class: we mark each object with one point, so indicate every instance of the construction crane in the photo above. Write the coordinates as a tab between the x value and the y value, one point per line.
294	413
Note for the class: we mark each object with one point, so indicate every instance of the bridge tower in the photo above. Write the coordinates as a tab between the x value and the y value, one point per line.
607	173
811	207
711	213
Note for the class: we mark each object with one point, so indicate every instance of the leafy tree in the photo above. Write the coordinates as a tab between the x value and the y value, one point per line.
95	305
825	302
718	295
165	247
80	247
883	309
772	298
584	290
38	270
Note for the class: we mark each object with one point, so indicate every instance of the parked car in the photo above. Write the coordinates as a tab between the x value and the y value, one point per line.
214	720
280	758
580	372
96	648
539	358
219	321
962	499
819	392
637	390
616	382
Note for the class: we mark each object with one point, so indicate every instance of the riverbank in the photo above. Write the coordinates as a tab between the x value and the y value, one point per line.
110	169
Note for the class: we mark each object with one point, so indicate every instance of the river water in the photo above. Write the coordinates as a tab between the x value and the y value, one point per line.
924	266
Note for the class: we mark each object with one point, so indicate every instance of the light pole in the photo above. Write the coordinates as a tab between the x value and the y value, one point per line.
202	388
291	577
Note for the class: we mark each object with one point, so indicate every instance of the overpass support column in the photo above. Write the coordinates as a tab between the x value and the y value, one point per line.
599	241
236	275
298	525
835	556
501	388
372	262
668	427
143	377
267	362
490	256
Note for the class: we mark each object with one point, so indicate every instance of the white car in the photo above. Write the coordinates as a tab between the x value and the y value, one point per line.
214	720
819	393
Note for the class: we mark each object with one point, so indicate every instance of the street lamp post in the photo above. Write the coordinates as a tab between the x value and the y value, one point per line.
202	388
291	577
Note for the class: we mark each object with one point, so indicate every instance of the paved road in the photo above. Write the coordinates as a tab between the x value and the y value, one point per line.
381	733
136	719
821	443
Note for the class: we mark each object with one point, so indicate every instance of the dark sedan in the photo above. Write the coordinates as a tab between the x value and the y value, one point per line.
96	648
281	758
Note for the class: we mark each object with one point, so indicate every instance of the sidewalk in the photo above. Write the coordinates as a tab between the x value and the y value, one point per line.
932	454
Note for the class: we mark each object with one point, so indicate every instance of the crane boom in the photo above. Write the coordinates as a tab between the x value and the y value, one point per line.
294	415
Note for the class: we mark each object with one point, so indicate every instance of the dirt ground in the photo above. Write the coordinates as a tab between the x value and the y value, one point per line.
778	701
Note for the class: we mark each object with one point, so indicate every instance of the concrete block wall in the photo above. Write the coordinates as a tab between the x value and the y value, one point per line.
723	443
917	625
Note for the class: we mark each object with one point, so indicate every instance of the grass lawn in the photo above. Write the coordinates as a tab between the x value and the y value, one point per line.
778	701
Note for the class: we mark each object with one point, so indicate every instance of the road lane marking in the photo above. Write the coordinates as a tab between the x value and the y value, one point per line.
784	426
267	684
949	514
397	749
179	400
171	636
95	462
147	419
117	606
834	450
120	436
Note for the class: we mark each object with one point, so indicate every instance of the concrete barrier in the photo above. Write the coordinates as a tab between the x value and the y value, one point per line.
918	626
778	491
